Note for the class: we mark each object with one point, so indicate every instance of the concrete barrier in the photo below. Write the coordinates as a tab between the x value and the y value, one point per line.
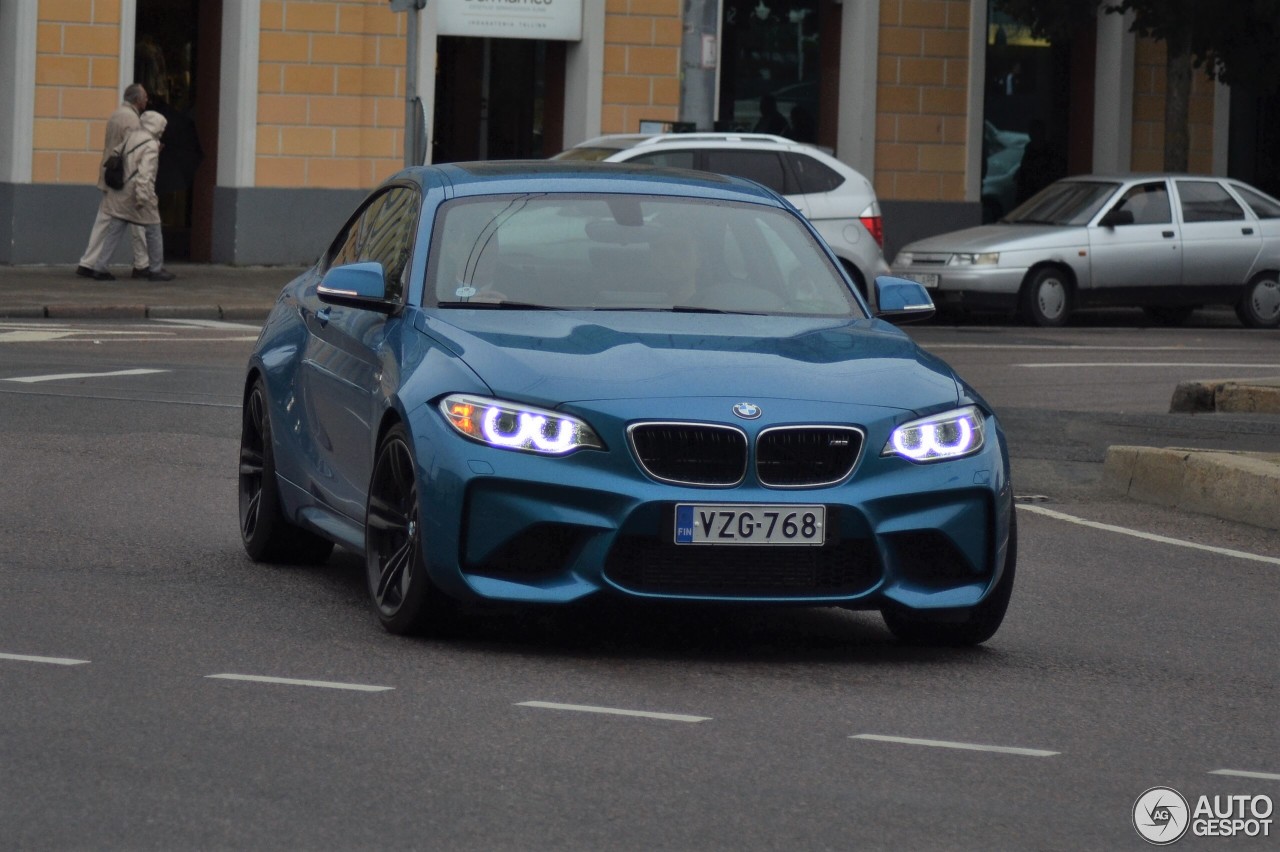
1242	487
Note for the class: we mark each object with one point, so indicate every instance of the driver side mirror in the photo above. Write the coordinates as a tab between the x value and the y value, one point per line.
357	285
1117	217
902	301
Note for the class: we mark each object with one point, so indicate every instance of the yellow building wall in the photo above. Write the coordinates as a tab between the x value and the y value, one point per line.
77	74
921	97
1148	113
330	93
641	63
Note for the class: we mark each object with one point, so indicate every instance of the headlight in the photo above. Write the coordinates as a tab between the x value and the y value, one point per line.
513	426
904	258
990	258
943	436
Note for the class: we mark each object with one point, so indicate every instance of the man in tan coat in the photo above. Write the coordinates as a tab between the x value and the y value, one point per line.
136	202
123	121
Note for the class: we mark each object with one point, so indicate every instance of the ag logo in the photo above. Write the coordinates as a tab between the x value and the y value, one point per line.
1161	816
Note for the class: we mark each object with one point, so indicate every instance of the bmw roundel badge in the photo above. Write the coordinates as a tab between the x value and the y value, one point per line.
747	410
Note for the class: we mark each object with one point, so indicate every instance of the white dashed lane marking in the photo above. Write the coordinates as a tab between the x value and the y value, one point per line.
53	661
1240	773
59	377
614	711
1024	752
288	681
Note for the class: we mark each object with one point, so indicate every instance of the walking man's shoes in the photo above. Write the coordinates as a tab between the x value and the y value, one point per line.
161	275
84	271
141	273
103	275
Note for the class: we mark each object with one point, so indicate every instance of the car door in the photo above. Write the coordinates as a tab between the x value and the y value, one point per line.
1141	260
1220	240
347	354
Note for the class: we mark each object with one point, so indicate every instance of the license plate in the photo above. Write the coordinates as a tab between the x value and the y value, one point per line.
928	279
718	523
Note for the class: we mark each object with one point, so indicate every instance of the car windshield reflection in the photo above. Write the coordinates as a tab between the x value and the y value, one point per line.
1071	202
630	252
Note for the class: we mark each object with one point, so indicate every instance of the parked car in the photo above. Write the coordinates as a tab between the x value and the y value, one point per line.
537	383
839	201
1168	243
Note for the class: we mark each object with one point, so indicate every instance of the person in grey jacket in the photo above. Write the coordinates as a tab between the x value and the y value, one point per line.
122	122
136	202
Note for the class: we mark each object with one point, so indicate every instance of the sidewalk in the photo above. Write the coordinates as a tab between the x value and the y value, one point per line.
1234	486
201	291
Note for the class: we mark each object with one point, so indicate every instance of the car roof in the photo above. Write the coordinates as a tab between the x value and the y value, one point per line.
493	177
624	141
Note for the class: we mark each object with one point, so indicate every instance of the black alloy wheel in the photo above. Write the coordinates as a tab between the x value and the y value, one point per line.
266	533
404	596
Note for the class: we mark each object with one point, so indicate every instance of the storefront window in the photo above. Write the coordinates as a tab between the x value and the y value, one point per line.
770	68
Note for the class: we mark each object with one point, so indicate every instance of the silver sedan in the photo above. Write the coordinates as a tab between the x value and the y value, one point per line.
1166	243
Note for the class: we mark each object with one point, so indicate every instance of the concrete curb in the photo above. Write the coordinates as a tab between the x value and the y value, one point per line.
1237	396
1243	487
239	313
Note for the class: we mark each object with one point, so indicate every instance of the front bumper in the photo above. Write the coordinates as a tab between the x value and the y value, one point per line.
508	526
972	286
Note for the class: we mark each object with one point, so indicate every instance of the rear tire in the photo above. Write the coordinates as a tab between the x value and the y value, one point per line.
265	531
959	627
403	595
1046	298
1259	307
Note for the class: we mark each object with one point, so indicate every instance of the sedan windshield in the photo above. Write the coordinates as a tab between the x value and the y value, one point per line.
630	253
1067	202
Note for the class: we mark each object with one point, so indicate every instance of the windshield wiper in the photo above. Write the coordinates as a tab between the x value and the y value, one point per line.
680	309
499	306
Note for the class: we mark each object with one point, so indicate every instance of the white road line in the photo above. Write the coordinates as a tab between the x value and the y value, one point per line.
1240	773
1153	365
65	376
1025	752
584	708
325	684
53	661
1221	551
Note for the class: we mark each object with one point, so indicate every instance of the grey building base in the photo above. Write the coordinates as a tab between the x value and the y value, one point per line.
50	224
256	226
905	221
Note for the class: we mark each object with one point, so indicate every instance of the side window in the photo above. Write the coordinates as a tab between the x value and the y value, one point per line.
1207	201
675	159
813	175
1263	206
1149	204
346	246
388	238
761	166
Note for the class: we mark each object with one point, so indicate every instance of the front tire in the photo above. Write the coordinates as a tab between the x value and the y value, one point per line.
1259	307
266	533
963	627
406	600
1046	298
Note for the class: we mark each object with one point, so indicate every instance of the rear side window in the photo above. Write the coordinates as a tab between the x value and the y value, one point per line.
1264	207
812	175
674	159
761	166
1207	201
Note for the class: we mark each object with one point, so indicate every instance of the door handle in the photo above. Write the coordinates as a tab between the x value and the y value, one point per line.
1246	231
1167	234
322	316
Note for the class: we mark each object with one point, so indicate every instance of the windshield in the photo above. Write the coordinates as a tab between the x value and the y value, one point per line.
589	155
1067	202
630	252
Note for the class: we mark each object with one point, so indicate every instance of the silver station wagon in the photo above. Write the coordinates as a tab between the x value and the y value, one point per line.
1166	243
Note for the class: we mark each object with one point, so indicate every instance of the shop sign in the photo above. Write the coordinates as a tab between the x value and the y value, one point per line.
555	20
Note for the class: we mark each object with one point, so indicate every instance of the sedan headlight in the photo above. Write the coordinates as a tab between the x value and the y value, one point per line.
904	258
988	258
513	426
950	435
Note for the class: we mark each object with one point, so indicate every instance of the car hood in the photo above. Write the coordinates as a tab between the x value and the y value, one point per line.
999	237
556	357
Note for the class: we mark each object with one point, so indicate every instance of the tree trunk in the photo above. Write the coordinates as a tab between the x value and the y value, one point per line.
1177	102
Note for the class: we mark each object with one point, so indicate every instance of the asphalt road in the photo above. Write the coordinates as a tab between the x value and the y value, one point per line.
134	633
